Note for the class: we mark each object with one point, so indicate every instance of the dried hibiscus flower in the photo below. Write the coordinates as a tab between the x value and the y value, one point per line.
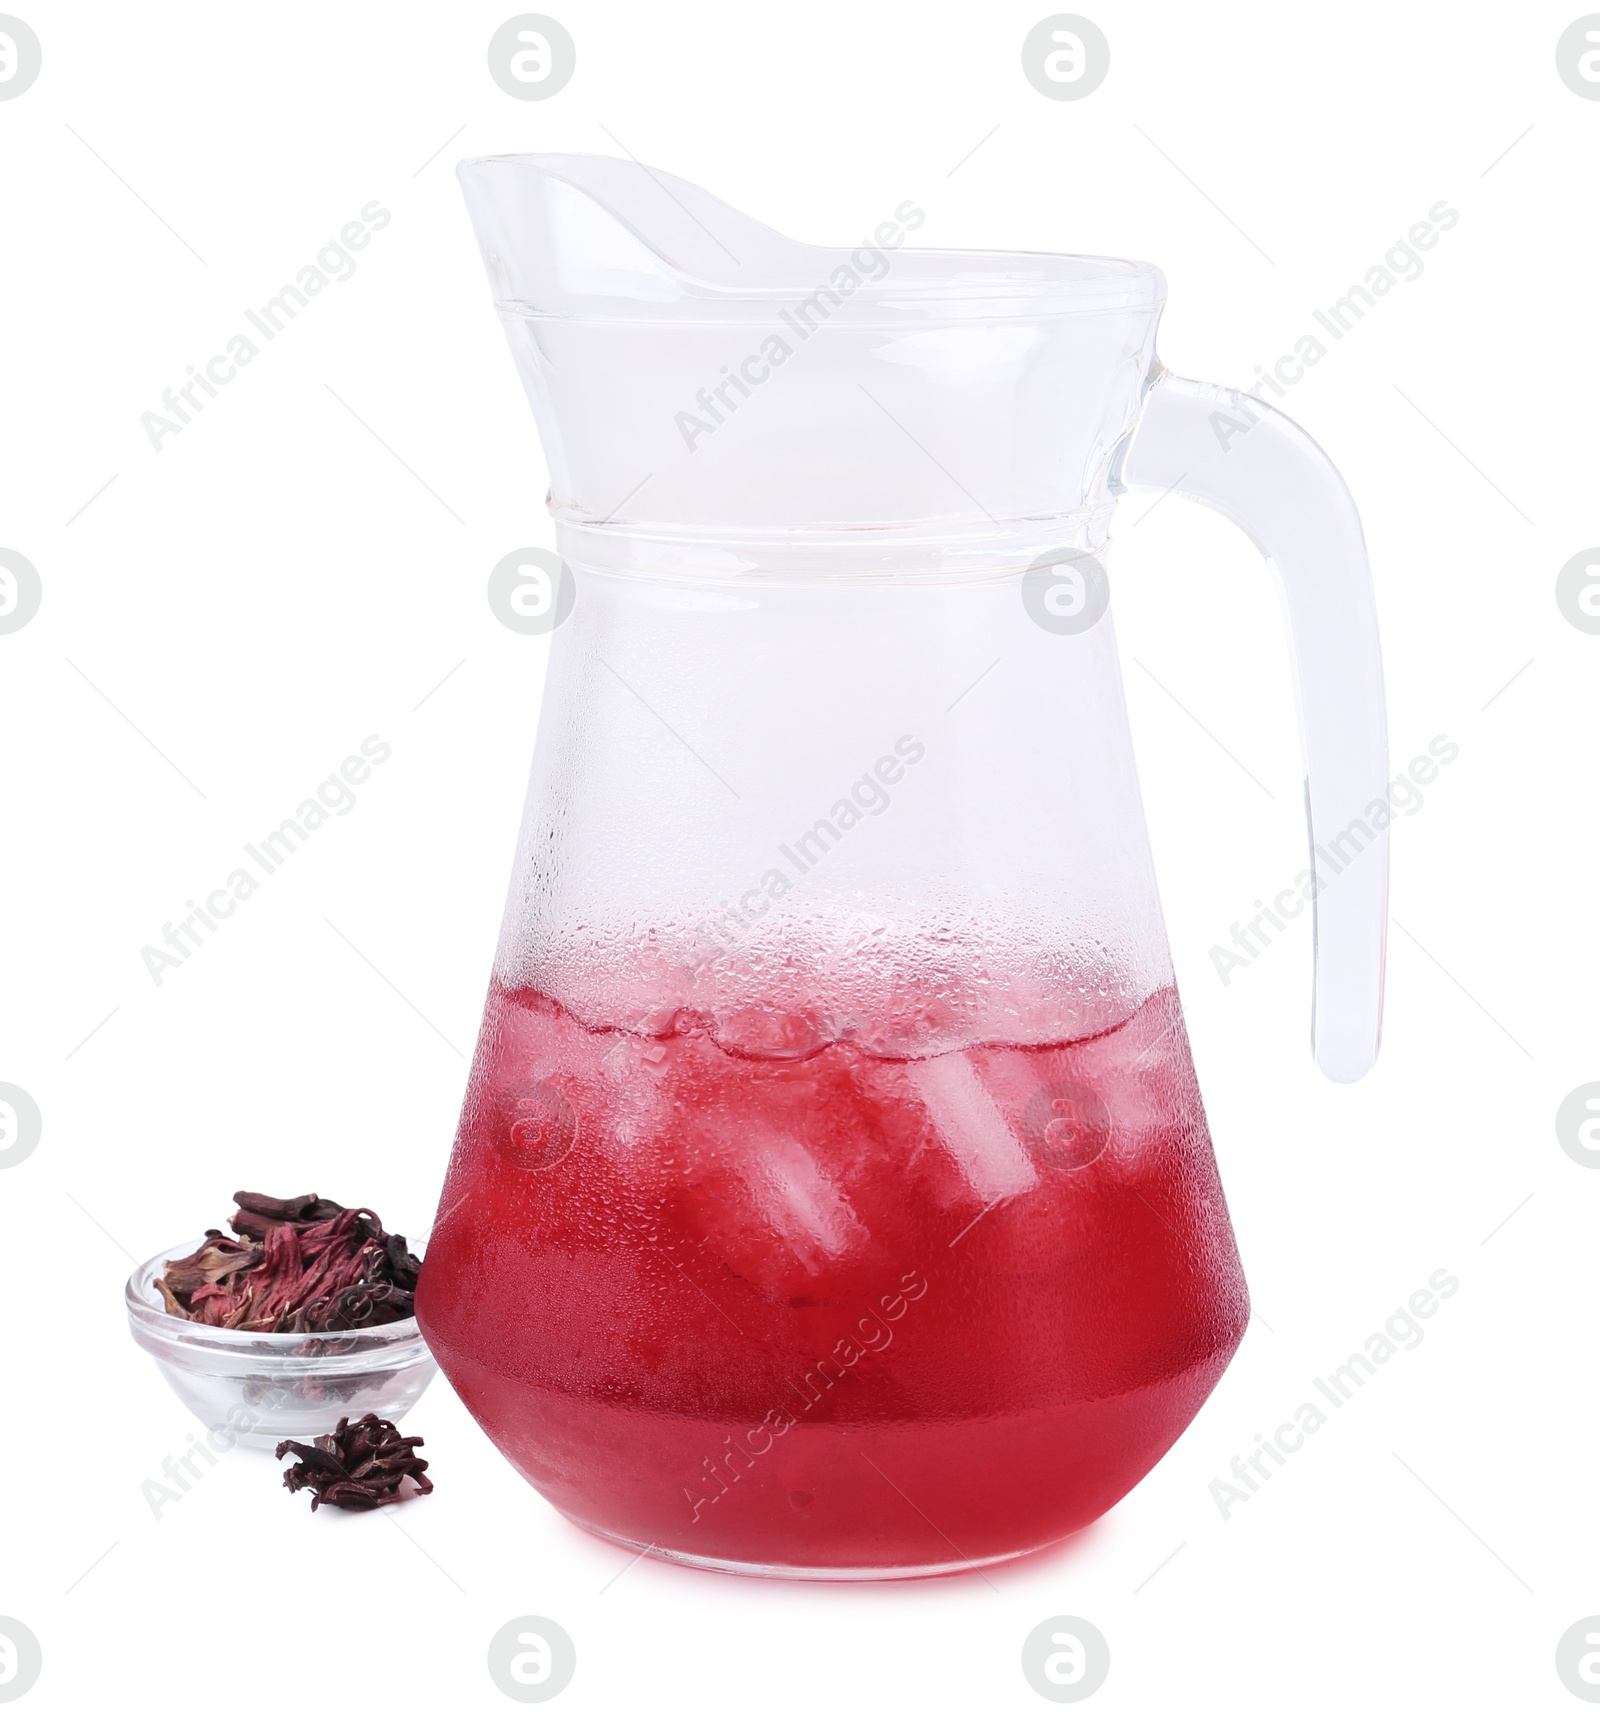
356	1467
304	1264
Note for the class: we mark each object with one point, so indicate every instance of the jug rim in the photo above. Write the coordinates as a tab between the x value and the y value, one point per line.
964	283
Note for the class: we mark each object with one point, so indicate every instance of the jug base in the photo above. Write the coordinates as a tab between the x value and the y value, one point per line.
807	1572
834	1500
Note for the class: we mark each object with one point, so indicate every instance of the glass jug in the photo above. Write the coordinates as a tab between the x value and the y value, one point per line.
832	1195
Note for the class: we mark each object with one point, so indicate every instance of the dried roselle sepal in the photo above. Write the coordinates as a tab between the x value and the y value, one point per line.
257	1212
303	1264
402	1266
360	1466
206	1278
360	1306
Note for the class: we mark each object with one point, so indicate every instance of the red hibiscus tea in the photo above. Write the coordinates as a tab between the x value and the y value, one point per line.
810	1309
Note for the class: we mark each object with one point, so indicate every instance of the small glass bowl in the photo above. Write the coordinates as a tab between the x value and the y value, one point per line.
263	1388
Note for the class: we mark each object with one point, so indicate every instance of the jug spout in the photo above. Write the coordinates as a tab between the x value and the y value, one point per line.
566	234
693	371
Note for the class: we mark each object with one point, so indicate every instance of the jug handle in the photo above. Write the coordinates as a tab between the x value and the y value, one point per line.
1234	454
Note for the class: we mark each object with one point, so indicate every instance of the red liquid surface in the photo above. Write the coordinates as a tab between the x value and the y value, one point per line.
834	1312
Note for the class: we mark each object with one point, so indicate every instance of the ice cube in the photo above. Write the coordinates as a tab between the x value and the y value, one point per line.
972	1127
798	1199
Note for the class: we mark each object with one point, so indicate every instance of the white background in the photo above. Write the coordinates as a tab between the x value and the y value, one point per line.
275	584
